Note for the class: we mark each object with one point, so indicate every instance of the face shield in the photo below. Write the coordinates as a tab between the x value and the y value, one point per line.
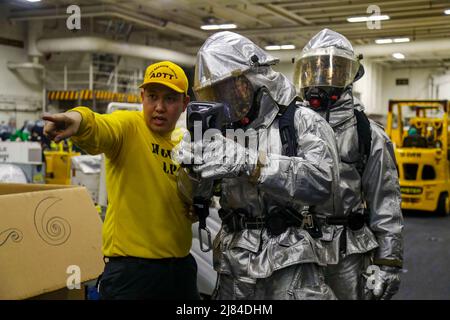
236	92
325	67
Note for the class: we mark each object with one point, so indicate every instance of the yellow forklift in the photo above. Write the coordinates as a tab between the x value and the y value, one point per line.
419	131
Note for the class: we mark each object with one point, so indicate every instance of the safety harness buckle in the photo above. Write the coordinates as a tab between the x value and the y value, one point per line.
200	237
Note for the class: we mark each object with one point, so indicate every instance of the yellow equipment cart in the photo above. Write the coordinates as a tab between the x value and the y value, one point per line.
58	163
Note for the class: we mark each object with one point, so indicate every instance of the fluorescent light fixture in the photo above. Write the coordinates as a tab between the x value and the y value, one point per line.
398	55
282	47
383	41
272	47
447	11
218	26
369	18
228	26
400	40
378	18
33	0
357	19
396	40
210	27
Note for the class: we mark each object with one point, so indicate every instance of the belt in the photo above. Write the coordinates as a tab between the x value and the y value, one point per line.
142	260
354	221
236	220
276	221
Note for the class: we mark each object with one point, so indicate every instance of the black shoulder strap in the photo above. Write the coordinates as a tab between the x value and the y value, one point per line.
287	131
364	138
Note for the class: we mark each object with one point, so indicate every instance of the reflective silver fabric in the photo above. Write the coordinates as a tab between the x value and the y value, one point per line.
251	256
297	282
327	38
387	283
346	278
380	187
226	54
303	180
379	182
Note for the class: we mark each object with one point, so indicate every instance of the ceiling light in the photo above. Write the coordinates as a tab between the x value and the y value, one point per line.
398	55
383	41
228	26
273	47
387	40
218	26
370	18
378	18
33	0
400	40
357	19
210	27
447	11
282	47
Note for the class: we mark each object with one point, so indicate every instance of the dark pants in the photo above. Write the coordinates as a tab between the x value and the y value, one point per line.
159	279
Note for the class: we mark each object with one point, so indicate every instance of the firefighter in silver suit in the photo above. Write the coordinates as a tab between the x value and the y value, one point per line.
363	249
266	247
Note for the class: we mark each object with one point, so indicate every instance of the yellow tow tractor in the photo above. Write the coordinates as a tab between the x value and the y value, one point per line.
419	131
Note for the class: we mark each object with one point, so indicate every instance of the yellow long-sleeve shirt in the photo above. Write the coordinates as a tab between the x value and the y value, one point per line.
145	217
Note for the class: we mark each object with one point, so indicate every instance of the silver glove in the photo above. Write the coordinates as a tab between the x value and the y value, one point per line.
383	282
224	158
187	152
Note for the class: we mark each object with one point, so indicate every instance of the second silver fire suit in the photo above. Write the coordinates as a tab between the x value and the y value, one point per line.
348	252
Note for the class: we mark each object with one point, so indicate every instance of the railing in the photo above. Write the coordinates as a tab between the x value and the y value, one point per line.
123	81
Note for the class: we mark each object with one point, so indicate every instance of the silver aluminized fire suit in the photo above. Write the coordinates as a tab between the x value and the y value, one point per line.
379	242
251	263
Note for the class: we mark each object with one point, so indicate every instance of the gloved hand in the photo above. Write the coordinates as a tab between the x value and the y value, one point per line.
216	158
224	158
187	152
383	281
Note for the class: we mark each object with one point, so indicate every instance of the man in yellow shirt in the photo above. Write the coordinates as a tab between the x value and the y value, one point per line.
147	233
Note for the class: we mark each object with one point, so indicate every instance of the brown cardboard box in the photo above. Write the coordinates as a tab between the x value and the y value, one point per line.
50	236
63	294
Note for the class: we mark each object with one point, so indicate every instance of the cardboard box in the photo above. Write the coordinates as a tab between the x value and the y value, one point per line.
63	294
50	237
26	152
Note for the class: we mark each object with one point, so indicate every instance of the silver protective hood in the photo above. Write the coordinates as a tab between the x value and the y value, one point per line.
328	38
226	54
327	60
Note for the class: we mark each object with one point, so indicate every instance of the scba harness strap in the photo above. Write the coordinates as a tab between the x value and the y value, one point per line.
355	221
278	218
364	132
288	133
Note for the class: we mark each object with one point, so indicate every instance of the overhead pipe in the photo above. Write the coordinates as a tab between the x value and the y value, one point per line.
34	31
110	11
24	65
95	44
